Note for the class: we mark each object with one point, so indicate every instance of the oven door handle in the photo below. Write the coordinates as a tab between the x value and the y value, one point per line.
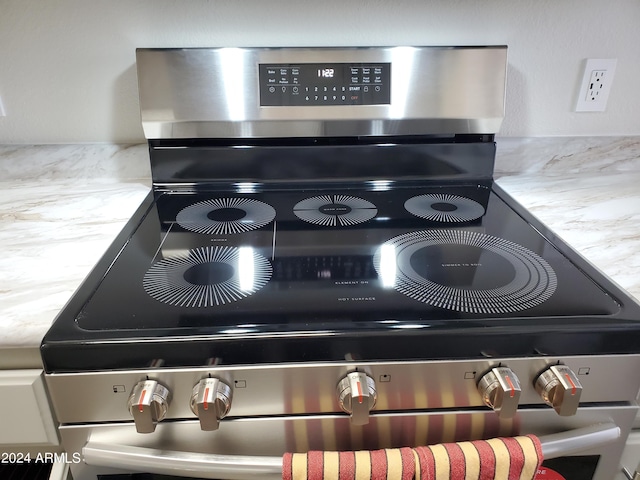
235	467
579	440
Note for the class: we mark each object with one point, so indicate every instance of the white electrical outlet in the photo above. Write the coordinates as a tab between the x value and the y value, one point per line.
2	114
596	84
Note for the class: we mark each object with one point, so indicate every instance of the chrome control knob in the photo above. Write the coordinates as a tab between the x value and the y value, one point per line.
210	402
357	396
500	390
148	404
560	388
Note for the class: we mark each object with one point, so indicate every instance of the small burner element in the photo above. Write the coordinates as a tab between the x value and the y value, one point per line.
223	216
465	271
207	276
335	210
448	208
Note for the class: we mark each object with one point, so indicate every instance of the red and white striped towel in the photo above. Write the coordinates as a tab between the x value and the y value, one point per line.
511	458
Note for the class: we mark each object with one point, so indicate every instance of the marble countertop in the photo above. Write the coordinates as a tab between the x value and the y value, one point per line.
587	190
61	206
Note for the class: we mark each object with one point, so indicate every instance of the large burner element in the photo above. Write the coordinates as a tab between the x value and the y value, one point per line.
223	216
439	207
466	271
335	210
208	276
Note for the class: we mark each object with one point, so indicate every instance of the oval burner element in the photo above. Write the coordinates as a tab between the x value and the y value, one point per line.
207	276
224	216
335	210
438	207
467	271
208	273
444	207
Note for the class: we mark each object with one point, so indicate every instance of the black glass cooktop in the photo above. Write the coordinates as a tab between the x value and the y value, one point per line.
356	263
255	262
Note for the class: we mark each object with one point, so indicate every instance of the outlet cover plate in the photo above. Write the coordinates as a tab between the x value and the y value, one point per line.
596	84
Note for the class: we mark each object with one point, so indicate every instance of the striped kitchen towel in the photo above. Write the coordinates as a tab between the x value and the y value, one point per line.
390	463
511	458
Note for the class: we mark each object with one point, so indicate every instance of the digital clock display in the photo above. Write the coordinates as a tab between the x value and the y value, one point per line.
324	84
326	72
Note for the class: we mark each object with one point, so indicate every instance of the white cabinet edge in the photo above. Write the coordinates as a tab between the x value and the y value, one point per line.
25	412
60	471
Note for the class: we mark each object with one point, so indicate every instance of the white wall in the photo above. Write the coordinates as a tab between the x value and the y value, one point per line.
67	69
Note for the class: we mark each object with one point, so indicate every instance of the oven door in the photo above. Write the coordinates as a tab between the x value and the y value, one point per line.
587	446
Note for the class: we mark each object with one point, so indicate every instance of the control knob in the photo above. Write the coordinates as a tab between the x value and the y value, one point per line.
357	396
148	404
500	390
210	402
560	389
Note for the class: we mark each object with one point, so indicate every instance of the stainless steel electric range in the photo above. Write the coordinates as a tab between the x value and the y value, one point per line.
325	262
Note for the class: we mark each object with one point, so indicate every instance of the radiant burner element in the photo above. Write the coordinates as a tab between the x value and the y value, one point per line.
207	276
439	207
466	271
335	210
223	216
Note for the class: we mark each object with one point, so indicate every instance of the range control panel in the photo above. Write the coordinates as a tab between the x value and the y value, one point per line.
210	394
325	84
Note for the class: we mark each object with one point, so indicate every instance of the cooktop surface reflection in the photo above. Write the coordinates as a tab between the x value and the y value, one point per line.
336	260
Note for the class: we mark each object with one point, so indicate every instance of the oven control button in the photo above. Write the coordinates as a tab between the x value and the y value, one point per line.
148	404
210	402
500	390
560	388
357	396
